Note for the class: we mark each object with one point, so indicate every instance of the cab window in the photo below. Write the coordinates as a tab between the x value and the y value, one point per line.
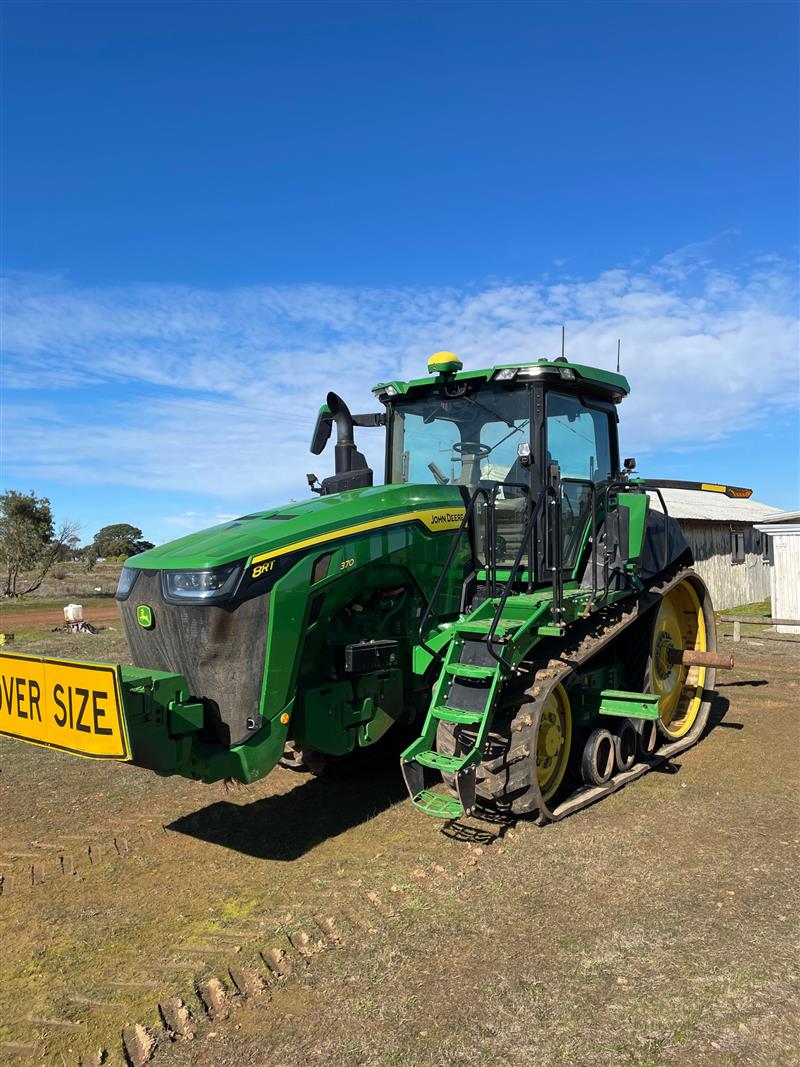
578	439
462	440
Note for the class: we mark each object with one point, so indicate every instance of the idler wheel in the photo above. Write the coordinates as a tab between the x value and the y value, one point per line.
597	760
625	745
680	624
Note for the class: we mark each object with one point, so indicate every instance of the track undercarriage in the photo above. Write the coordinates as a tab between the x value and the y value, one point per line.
555	744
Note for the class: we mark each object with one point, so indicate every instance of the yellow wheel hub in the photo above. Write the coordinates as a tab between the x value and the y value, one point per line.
680	624
553	741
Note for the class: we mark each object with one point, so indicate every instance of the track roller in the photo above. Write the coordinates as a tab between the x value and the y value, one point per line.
625	745
647	736
597	761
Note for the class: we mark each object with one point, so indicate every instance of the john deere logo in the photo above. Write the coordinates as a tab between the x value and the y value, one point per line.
144	616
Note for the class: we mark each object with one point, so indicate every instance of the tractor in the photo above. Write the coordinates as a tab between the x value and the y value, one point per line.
508	595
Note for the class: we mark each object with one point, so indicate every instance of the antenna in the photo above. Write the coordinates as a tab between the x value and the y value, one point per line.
563	331
619	342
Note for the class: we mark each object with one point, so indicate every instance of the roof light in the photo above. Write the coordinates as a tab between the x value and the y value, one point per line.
507	374
567	373
533	371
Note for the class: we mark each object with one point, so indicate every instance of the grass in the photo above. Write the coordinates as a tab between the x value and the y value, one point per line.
761	609
72	580
682	885
653	930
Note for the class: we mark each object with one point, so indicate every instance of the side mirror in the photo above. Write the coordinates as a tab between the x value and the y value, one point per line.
629	464
322	430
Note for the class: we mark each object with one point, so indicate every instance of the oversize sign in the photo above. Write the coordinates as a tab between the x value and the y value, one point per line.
63	704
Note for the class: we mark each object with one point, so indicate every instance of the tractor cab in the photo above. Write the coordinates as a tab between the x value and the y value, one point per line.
532	447
510	433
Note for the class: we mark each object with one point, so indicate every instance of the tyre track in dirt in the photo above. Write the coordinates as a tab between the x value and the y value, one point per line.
103	923
179	976
245	961
27	866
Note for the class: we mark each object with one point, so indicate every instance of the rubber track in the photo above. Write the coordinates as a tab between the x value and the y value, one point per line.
509	772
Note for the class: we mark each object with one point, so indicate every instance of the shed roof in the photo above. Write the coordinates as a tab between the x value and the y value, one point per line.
712	507
783	516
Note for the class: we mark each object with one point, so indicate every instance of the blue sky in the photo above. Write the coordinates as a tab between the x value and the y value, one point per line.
215	212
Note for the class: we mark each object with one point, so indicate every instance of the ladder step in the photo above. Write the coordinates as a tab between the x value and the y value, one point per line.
438	805
470	670
457	715
483	626
440	762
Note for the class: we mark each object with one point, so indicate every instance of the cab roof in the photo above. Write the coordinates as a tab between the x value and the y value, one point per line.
548	369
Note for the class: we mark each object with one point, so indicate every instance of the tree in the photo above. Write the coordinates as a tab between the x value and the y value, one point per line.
28	543
119	540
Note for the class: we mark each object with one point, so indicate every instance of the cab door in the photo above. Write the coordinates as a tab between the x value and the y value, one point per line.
581	439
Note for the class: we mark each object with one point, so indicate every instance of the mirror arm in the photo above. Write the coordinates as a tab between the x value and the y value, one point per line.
373	418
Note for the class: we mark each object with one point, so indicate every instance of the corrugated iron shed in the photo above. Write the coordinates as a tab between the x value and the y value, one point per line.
712	507
783	517
783	531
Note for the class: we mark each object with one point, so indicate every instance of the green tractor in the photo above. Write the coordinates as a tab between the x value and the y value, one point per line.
507	594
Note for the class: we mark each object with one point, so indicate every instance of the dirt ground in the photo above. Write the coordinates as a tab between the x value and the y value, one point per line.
658	927
32	617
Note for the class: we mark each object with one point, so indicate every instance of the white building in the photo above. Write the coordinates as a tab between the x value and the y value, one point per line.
783	533
731	554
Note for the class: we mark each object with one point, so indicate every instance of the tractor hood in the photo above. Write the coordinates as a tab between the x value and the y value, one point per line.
219	645
304	524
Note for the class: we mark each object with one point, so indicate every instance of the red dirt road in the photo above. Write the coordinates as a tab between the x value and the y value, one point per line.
49	618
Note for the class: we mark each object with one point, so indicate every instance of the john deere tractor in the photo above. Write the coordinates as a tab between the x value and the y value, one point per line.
508	594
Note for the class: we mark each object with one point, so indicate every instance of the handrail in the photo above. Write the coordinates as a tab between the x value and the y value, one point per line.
663	502
593	535
479	491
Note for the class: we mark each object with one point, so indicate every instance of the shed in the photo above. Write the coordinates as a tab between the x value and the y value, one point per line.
783	532
731	555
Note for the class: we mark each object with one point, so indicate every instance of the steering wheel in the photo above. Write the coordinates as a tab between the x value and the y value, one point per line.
472	448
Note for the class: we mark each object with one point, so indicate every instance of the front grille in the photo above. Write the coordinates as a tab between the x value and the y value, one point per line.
219	649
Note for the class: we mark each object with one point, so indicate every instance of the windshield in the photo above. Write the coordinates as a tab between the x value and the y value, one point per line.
461	440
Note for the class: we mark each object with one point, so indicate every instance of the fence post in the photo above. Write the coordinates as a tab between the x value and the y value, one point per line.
737	631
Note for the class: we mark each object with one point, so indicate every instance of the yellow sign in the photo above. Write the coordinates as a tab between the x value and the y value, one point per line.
61	704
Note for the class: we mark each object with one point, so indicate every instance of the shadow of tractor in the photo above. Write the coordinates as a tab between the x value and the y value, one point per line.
286	826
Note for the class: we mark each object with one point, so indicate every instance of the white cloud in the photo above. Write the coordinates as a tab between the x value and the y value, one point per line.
216	391
190	521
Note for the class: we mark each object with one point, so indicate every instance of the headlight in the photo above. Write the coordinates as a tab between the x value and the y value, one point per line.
126	582
216	584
